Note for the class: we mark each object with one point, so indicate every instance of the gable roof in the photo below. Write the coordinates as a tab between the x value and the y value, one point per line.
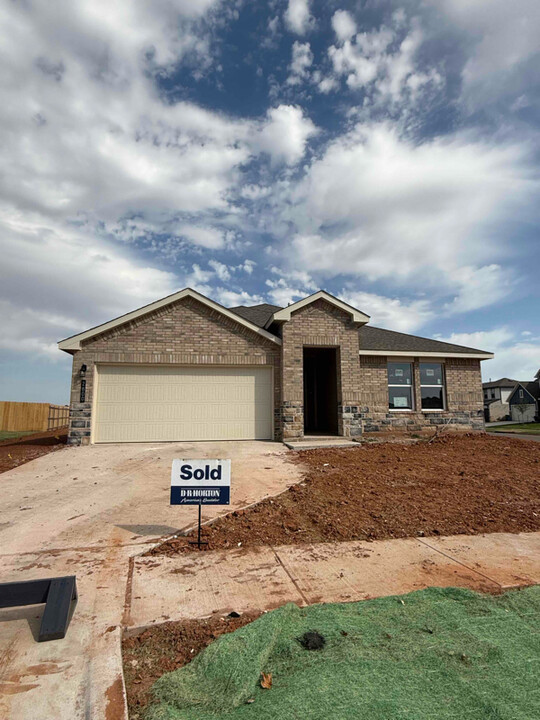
73	343
502	382
284	314
531	388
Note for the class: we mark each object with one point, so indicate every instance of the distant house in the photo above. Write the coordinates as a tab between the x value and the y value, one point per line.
496	395
524	401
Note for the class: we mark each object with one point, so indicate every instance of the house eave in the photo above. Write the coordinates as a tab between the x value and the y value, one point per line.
284	315
73	343
420	354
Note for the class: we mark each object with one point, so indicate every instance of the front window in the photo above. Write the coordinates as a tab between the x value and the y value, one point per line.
400	386
432	386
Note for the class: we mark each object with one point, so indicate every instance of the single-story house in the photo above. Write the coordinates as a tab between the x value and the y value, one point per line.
496	394
524	401
187	368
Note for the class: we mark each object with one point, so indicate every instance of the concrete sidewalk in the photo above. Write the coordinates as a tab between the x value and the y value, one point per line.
197	585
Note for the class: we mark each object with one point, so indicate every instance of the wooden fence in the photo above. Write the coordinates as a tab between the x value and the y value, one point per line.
22	416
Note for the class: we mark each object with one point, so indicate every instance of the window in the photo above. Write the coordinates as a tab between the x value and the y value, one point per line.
521	394
432	386
400	386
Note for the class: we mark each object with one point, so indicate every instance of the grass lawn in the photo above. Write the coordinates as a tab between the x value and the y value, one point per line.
437	653
521	429
13	434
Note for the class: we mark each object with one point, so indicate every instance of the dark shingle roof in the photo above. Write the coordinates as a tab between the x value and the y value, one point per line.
374	338
371	338
502	382
533	388
257	314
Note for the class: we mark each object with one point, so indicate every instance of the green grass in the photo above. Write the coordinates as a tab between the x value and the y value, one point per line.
448	654
522	429
13	434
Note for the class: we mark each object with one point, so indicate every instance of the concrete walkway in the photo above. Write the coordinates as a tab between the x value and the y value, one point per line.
201	584
534	438
87	512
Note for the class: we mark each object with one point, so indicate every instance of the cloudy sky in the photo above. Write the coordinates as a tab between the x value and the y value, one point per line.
387	152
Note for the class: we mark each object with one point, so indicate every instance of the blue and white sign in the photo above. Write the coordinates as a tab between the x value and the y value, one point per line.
201	482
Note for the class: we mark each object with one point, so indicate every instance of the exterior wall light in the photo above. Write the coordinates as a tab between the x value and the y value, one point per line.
82	371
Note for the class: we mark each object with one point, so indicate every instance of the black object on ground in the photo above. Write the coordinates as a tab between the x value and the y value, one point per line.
57	594
312	640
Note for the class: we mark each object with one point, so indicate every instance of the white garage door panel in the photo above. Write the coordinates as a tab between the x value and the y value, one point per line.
149	404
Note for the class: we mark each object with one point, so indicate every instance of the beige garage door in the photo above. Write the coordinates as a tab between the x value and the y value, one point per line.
149	403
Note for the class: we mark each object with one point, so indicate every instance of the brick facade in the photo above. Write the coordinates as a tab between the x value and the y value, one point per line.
184	333
190	333
320	324
463	389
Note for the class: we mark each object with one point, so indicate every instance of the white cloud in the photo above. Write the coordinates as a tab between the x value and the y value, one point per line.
376	205
513	358
207	237
391	313
302	58
343	24
502	45
231	298
221	270
478	287
298	18
285	134
383	61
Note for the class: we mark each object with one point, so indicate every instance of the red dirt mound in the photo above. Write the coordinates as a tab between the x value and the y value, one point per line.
15	452
456	484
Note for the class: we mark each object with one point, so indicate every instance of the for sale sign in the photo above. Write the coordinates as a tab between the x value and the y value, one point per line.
201	482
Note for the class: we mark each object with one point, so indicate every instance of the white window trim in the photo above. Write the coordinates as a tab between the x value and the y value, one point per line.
425	385
411	387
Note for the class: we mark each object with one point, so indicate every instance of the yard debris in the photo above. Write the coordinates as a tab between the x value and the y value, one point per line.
312	640
266	681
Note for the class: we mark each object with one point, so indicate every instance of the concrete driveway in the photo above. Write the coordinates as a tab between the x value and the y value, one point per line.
88	511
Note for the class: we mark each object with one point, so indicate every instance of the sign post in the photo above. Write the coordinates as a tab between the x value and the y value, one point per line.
200	482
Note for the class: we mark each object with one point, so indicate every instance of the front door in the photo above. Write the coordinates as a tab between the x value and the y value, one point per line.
320	391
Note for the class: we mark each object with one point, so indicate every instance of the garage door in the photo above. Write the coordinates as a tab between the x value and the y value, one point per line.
149	403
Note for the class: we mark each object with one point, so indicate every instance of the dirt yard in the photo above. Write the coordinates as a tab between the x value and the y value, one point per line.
15	452
166	648
457	484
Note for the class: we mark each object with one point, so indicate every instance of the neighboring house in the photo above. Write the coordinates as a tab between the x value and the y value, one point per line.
496	394
525	401
187	368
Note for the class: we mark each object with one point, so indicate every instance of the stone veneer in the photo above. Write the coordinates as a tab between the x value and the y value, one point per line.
188	332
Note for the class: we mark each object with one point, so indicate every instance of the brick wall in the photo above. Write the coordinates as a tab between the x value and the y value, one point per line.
186	332
320	324
464	399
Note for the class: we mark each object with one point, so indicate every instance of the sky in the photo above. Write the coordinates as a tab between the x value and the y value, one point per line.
386	152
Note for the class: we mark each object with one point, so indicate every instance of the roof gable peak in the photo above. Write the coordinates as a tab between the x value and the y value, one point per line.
284	315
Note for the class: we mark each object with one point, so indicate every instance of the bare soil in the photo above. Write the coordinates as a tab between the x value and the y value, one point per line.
457	484
168	647
15	452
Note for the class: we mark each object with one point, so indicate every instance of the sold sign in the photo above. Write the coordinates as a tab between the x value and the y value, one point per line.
201	482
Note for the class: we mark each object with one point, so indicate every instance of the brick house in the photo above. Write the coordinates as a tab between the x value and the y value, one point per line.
187	368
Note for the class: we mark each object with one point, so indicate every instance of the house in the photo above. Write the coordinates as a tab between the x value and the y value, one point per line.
524	401
496	394
187	368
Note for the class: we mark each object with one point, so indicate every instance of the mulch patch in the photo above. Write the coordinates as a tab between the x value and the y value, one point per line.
15	452
165	648
457	484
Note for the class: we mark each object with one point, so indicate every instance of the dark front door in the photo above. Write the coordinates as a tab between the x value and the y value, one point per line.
320	391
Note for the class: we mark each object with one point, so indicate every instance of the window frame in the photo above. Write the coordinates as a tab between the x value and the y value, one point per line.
442	386
397	361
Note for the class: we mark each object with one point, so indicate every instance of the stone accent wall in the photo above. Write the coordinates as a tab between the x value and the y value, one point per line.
184	333
320	324
464	399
